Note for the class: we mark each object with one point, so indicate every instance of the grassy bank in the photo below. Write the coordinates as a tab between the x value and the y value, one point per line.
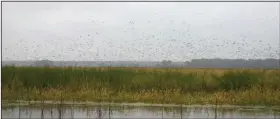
181	86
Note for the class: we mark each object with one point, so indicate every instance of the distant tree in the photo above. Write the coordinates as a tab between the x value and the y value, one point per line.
186	63
166	62
158	65
13	64
44	63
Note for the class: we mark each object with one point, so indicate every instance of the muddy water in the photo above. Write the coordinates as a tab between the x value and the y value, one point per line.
55	111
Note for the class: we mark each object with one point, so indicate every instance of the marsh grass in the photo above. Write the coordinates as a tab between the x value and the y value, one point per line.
182	86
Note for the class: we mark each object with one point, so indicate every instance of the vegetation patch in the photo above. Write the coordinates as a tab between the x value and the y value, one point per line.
179	86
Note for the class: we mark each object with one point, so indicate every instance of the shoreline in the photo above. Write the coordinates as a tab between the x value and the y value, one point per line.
136	104
103	103
268	98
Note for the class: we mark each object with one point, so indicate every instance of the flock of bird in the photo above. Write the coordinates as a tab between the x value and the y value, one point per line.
152	44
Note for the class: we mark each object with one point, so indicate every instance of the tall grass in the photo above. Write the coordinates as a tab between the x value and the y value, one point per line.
146	85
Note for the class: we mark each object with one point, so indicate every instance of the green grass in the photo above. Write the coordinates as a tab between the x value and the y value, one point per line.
181	86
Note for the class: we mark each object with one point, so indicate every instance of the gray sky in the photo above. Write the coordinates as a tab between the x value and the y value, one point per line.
139	31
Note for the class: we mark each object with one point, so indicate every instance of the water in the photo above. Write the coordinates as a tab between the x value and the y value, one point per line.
136	110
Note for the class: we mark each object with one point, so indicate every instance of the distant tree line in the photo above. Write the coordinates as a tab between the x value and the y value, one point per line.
234	63
223	63
195	63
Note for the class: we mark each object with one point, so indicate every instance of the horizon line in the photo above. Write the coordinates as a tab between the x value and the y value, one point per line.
145	60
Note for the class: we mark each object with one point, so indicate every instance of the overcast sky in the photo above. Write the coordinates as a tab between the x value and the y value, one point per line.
139	31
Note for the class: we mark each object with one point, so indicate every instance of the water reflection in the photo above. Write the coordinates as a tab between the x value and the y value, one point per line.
57	111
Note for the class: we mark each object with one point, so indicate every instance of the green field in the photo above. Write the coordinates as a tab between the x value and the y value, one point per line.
180	86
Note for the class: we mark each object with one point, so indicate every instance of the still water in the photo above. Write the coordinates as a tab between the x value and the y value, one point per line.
106	111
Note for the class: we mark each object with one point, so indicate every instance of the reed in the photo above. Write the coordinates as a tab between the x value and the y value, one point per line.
184	86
